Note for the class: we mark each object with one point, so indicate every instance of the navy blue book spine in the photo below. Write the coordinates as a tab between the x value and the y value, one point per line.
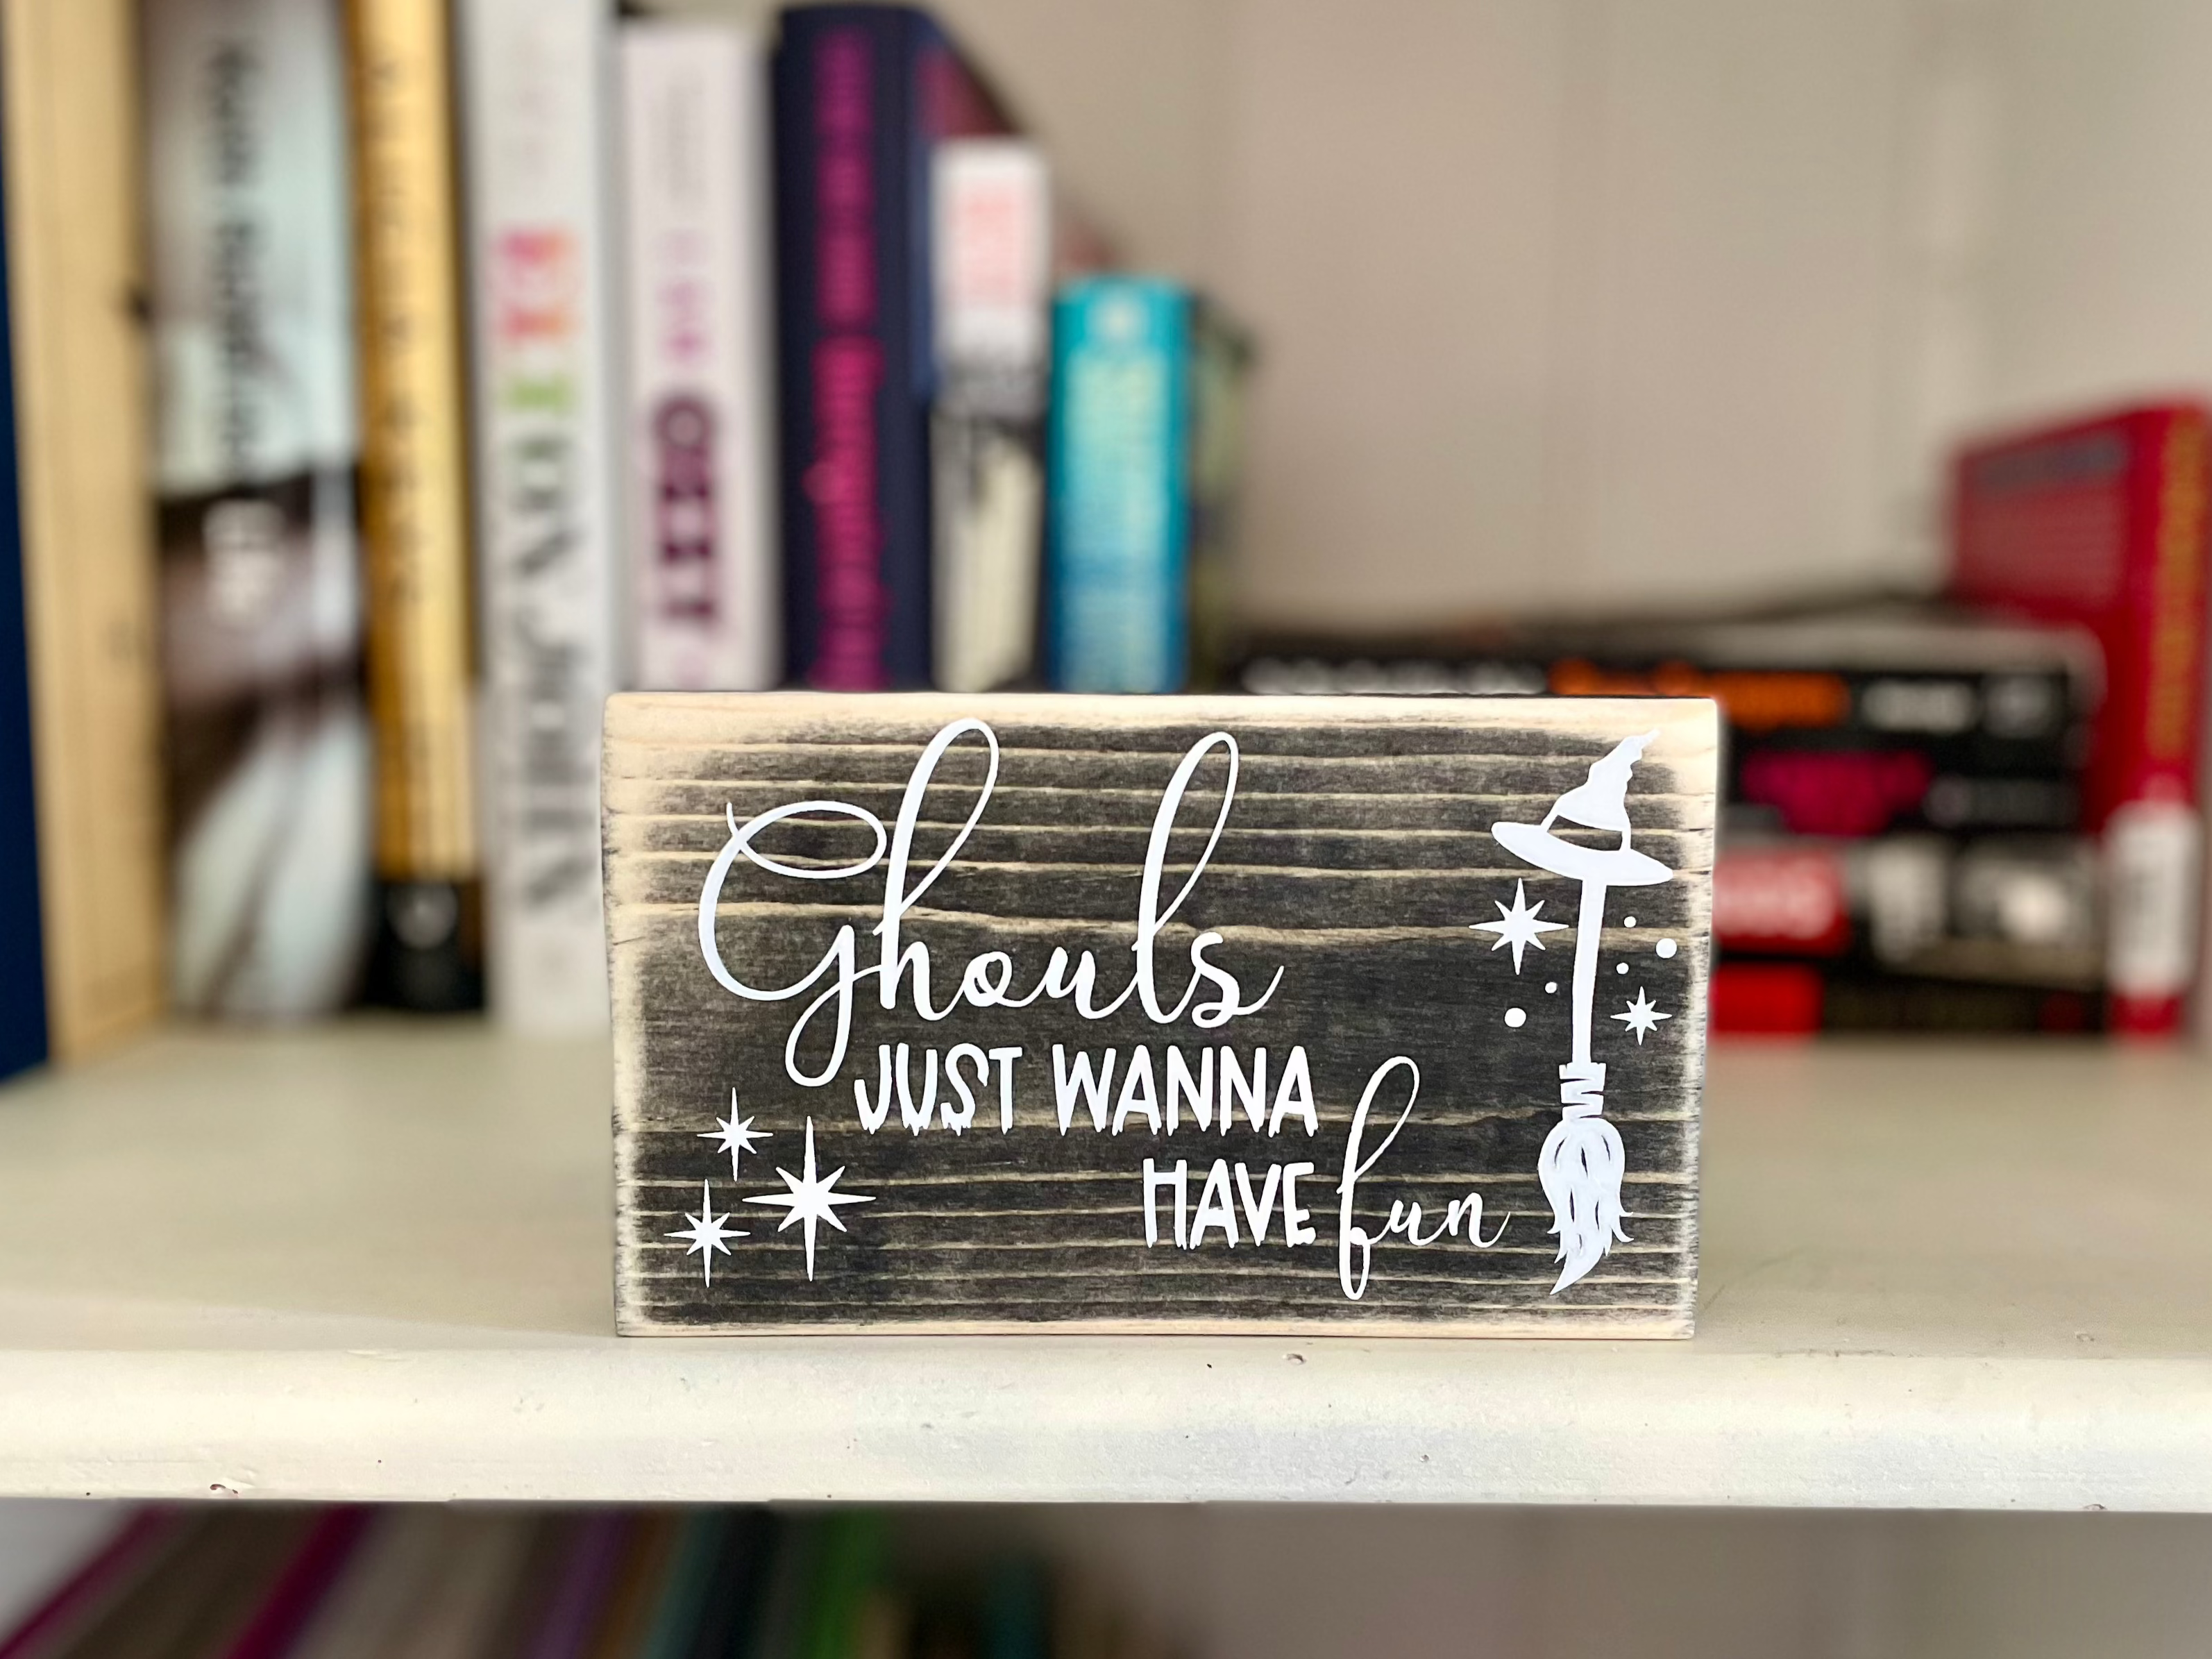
22	956
852	218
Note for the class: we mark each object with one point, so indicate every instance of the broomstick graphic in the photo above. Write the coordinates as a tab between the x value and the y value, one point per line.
1581	1163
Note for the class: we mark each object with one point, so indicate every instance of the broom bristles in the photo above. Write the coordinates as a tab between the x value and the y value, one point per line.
1580	1168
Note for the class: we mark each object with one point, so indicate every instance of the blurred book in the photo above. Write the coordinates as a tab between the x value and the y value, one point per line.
1221	360
537	129
1848	723
86	957
75	1596
448	1581
195	1586
1146	407
432	1581
1901	842
24	1037
1017	1611
787	1590
992	202
705	577
1861	722
637	1589
428	953
2102	522
255	447
844	1614
863	95
1907	931
365	1610
583	1573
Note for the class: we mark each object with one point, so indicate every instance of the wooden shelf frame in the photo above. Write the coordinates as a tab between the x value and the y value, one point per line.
371	1261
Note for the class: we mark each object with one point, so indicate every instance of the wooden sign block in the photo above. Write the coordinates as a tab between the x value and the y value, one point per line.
1303	1014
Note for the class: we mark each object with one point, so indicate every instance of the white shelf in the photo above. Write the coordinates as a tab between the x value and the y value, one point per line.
371	1261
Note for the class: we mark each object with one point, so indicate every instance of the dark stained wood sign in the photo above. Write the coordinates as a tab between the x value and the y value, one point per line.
1158	1013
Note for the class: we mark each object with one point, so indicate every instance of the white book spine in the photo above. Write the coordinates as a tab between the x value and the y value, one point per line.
255	442
700	401
991	249
535	114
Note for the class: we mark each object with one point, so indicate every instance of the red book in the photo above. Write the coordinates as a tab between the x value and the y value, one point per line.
2102	522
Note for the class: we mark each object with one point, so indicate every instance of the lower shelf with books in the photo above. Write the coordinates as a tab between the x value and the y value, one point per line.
371	1260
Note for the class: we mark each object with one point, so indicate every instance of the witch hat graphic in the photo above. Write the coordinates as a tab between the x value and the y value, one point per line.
1581	1163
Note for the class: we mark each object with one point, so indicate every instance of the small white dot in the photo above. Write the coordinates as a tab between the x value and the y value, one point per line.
1516	1018
1619	967
1551	987
1666	947
1628	921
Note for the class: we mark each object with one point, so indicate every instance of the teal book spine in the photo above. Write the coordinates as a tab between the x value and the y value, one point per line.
1120	486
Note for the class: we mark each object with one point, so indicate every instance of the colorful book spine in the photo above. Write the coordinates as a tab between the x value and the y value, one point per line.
701	447
2103	523
414	514
863	93
22	955
992	213
255	446
537	141
1120	521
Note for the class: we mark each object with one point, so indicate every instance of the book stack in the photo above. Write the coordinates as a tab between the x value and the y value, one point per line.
281	1583
2102	523
1983	816
498	355
1903	844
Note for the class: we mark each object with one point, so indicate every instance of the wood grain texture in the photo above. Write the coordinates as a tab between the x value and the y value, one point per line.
1356	858
74	272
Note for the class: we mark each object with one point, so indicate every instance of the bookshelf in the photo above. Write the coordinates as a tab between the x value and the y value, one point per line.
371	1260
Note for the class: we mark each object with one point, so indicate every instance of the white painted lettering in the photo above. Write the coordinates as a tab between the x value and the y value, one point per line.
1066	1081
1154	1183
1138	1092
1215	1207
1294	1095
1258	1212
1005	1059
1197	1090
957	1118
1295	1214
1251	1088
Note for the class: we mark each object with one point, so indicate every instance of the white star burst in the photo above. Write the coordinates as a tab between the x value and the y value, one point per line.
812	1199
1642	1015
1520	927
708	1232
736	1134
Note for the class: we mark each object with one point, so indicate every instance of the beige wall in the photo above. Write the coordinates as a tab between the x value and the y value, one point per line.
1563	301
2095	280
